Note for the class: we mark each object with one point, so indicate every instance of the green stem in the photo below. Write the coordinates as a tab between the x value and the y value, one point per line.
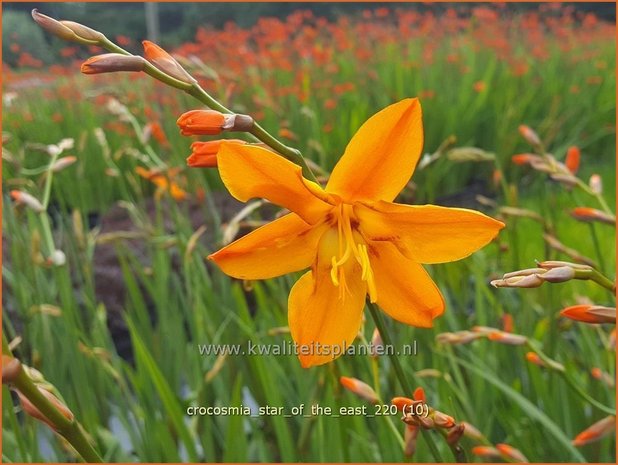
597	247
46	226
403	381
551	364
69	429
603	281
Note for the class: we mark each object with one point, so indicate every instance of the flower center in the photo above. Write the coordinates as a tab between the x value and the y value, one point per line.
351	245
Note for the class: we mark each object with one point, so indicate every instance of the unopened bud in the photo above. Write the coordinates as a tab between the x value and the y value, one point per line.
558	275
529	135
455	434
166	63
529	281
596	184
112	63
34	412
362	390
23	198
204	154
472	432
592	214
63	163
511	453
473	154
377	344
11	367
563	178
459	337
211	122
443	420
486	451
572	159
68	30
597	431
409	439
507	338
593	314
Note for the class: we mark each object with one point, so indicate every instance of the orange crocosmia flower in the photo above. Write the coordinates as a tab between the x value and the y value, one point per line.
163	181
351	234
204	154
596	431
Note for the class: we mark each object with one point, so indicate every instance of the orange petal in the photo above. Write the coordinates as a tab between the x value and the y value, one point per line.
249	171
427	233
324	319
381	157
283	246
405	291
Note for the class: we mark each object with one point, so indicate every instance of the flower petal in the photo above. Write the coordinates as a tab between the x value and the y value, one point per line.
249	171
427	233
405	291
286	245
324	319
381	157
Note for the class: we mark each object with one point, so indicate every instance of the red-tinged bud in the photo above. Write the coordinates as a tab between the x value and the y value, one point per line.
11	368
596	184
112	63
211	122
507	323
455	434
572	159
472	432
166	63
23	198
443	420
592	214
525	158
529	135
486	452
511	453
34	412
602	376
592	314
595	432
507	338
362	390
204	154
409	439
63	163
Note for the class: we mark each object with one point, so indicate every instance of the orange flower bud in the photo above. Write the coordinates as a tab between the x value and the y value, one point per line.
511	453
529	135
403	403
602	376
524	158
409	439
455	434
507	338
11	367
419	394
486	451
111	63
592	214
362	390
204	154
34	412
593	314
572	159
597	431
23	198
532	357
211	122
507	323
165	62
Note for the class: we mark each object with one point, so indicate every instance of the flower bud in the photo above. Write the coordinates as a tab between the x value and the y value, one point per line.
511	453
529	135
34	412
166	63
63	163
472	432
507	338
211	122
596	184
112	63
558	275
597	431
529	281
592	214
525	158
376	343
443	420
473	154
23	198
486	451
409	438
532	357
592	314
572	159
455	434
204	154
362	390
68	30
11	367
